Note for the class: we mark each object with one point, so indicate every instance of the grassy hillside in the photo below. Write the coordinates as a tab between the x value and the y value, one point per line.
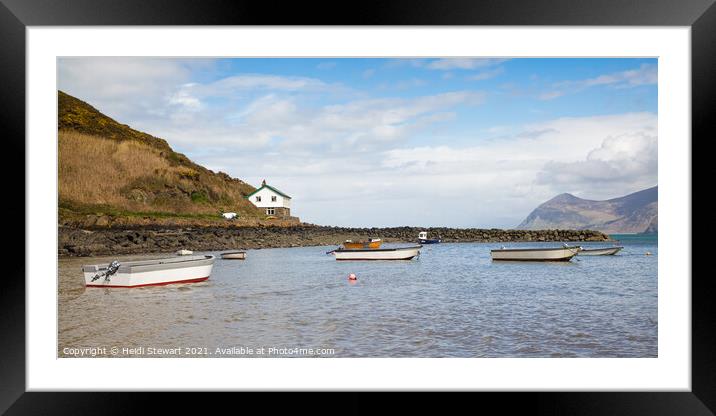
108	168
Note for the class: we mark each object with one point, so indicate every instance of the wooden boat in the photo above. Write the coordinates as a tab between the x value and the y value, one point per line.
535	254
234	255
423	238
157	272
402	253
184	252
370	243
603	251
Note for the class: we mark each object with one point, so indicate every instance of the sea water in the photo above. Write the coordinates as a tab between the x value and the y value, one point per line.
452	301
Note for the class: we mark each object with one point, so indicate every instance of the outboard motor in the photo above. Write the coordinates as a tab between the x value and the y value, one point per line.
111	269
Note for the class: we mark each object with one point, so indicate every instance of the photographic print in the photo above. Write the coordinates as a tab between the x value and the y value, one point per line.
357	207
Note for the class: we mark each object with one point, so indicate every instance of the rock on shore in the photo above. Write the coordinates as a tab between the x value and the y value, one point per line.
111	241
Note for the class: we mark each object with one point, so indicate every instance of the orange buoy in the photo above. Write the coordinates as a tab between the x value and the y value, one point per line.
352	276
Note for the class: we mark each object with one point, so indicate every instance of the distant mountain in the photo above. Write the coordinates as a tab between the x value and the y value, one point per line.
633	213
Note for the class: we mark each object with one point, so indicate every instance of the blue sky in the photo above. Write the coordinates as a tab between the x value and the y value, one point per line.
463	142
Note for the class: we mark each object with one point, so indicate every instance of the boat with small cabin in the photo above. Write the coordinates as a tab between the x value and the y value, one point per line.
535	254
233	255
371	243
398	253
423	238
156	272
602	251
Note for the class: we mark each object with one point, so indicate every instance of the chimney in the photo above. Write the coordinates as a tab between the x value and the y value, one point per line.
263	182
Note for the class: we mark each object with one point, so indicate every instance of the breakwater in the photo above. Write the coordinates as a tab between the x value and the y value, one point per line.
111	241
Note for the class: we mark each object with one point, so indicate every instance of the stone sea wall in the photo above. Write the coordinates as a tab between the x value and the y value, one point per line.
112	241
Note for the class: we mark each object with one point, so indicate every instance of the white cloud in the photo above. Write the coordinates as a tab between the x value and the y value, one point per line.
487	67
629	159
357	125
124	88
483	75
183	98
140	89
493	183
646	74
285	124
563	139
463	63
593	157
231	84
235	86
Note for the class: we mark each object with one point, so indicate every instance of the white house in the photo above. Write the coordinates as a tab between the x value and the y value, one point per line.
273	201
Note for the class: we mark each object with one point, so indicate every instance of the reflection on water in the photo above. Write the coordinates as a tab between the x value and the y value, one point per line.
451	302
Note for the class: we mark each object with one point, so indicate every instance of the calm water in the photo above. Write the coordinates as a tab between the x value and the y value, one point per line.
453	301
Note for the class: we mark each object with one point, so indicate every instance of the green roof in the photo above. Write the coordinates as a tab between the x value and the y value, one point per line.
271	188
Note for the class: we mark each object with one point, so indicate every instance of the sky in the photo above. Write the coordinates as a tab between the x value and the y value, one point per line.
367	142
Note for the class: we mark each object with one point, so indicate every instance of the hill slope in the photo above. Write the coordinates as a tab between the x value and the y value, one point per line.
105	167
633	213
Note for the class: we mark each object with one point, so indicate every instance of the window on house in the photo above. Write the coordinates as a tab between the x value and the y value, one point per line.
258	199
270	211
273	199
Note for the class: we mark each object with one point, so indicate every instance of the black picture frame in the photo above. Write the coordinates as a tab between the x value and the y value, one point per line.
16	15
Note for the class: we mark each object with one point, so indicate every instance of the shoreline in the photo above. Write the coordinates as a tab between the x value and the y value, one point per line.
84	242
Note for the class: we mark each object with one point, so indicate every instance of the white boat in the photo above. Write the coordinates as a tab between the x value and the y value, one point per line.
535	254
155	272
233	255
184	252
401	253
604	251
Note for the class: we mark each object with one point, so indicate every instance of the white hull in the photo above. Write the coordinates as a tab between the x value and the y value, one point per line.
237	255
608	251
152	272
406	253
535	254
